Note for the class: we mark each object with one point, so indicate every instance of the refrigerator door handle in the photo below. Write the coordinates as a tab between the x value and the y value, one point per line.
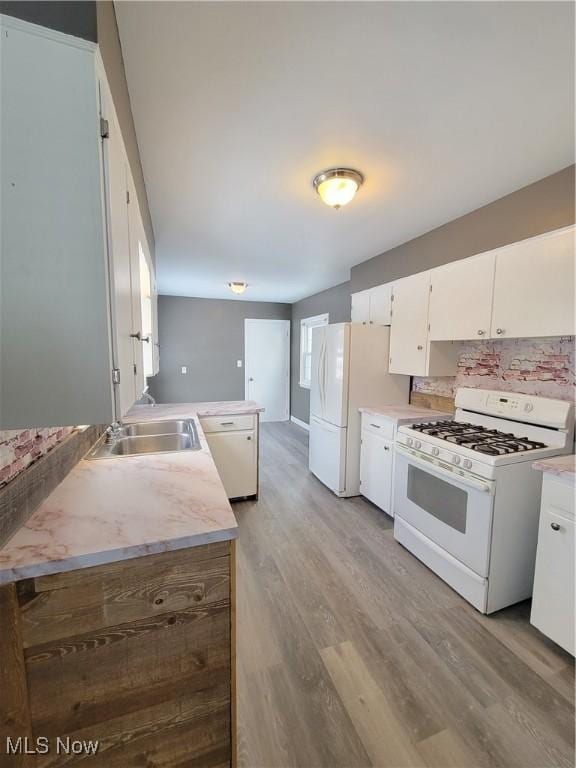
322	375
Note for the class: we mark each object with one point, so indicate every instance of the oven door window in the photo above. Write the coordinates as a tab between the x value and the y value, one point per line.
443	501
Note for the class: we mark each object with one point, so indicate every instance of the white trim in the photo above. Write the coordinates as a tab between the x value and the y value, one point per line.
300	423
305	323
11	22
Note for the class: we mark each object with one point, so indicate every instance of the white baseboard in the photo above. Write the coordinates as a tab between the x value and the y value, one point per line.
300	423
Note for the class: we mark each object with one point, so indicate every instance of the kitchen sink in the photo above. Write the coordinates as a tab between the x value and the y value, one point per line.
177	427
149	437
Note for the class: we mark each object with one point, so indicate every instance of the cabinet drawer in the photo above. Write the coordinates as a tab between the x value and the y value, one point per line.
378	425
228	423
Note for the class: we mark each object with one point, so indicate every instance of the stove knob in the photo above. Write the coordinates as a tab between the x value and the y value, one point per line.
417	444
455	459
435	451
409	441
528	407
467	463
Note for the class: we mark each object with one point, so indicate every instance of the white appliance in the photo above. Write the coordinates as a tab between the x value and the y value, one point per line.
466	497
349	370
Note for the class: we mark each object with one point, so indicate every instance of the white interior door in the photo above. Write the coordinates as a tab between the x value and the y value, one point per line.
267	366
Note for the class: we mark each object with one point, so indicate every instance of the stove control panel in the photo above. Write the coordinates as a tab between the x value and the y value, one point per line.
510	405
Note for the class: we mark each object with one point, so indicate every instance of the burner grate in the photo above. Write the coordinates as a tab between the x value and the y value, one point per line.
491	442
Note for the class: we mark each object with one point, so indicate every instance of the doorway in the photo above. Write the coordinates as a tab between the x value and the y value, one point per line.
267	366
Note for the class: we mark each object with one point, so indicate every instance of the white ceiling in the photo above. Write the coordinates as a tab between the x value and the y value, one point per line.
444	106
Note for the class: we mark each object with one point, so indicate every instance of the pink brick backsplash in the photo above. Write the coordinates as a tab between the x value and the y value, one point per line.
19	448
542	367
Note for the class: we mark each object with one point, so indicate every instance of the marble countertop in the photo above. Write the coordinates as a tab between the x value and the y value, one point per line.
114	509
405	414
563	466
161	412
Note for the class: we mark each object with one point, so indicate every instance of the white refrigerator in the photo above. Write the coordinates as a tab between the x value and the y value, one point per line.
349	370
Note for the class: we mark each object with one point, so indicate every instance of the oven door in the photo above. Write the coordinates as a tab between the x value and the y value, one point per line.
453	511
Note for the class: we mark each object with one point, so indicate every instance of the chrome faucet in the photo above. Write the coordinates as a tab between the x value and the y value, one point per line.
148	397
113	432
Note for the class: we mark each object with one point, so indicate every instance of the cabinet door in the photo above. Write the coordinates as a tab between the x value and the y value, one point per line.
120	266
380	304
461	298
141	293
534	287
361	307
409	332
235	455
55	366
376	470
553	600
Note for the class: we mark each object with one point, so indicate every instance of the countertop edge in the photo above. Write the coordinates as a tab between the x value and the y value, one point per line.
106	557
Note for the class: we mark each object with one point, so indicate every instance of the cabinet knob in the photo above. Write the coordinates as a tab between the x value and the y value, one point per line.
555	526
480	333
419	346
499	331
248	438
139	336
386	448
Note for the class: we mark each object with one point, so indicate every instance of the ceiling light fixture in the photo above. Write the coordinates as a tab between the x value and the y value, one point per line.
338	186
237	287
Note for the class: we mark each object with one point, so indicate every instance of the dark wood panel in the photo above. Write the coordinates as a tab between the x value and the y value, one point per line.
192	729
14	711
91	678
103	597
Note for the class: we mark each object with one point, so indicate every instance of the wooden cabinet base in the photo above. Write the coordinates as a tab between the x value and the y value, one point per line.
137	656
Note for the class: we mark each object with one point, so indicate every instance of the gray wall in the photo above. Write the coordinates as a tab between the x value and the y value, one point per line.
109	42
335	301
545	205
206	335
73	18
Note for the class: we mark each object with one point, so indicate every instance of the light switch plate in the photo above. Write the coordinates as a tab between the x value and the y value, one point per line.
238	363
183	370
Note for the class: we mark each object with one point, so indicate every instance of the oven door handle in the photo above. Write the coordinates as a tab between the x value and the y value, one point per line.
442	471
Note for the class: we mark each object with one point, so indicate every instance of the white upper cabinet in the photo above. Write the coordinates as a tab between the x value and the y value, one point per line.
361	307
372	306
55	366
461	298
409	333
411	351
67	315
380	304
534	287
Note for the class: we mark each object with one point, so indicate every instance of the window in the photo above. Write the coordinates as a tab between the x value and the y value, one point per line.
306	326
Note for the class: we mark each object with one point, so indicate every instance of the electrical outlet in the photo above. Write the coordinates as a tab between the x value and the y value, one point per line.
238	363
183	370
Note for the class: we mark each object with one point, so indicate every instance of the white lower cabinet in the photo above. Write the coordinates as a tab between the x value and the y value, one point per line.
376	470
553	597
233	444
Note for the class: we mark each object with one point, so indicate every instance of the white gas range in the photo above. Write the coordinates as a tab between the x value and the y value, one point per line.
466	498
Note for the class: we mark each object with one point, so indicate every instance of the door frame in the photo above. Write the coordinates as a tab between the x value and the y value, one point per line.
252	322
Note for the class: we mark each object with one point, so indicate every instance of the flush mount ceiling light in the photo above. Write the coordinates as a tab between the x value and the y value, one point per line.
237	287
338	186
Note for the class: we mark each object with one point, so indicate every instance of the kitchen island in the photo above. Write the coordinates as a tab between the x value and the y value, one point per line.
117	602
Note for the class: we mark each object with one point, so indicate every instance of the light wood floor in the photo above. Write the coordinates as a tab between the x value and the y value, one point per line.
352	653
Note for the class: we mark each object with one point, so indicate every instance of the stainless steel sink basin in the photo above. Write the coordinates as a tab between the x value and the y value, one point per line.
149	437
176	427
